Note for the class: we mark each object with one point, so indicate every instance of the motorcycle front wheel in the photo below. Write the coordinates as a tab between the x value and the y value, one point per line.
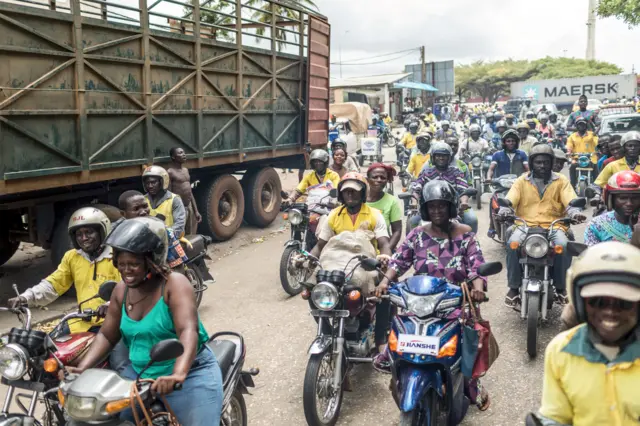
391	141
321	402
236	412
479	195
432	409
582	187
533	307
290	282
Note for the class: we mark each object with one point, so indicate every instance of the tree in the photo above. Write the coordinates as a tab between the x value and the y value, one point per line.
280	12
627	10
490	80
209	15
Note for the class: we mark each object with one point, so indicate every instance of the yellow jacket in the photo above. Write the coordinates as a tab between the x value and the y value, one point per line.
539	211
583	388
582	144
408	140
416	162
165	208
75	269
311	179
387	120
613	168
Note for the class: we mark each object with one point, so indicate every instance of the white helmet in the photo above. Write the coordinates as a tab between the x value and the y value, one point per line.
88	216
159	172
474	128
445	123
633	135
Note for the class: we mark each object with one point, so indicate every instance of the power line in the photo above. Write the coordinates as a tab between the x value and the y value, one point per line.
379	62
373	57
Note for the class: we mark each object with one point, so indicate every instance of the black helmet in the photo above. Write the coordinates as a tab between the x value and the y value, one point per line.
142	236
512	133
439	190
336	142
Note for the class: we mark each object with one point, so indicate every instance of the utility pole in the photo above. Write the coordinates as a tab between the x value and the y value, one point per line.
423	78
591	30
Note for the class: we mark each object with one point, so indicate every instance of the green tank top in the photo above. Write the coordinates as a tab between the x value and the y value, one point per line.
140	336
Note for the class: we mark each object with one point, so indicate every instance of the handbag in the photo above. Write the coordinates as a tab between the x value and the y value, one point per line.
147	419
488	349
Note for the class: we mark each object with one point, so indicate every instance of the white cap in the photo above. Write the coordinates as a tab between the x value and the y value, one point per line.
352	185
615	290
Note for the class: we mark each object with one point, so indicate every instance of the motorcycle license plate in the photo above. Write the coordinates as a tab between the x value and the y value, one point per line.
421	345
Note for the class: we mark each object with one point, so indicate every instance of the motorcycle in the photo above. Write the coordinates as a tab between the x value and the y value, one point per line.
39	356
389	138
345	336
501	187
536	257
304	219
474	163
426	351
583	171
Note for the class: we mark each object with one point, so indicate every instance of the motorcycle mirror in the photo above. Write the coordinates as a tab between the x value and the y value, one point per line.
166	350
333	193
578	202
490	268
504	202
575	249
532	420
593	202
106	289
469	192
370	264
405	195
589	192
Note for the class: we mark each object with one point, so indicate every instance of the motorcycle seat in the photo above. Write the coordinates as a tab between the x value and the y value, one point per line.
198	242
225	352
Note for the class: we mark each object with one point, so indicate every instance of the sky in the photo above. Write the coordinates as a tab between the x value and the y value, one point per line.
469	30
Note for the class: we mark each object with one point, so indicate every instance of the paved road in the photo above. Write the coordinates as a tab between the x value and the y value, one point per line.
247	298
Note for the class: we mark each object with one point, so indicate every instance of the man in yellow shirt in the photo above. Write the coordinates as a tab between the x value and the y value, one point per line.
631	148
421	156
539	197
582	142
85	267
320	173
409	138
592	371
163	202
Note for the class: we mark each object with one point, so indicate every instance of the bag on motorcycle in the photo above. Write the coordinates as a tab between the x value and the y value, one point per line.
476	338
342	248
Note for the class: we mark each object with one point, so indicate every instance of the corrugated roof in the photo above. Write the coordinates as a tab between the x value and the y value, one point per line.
373	80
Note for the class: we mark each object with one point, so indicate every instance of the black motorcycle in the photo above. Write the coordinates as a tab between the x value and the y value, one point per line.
501	187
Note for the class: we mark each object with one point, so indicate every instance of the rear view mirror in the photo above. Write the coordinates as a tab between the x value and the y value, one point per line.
370	264
106	289
576	249
589	192
405	195
166	350
490	268
504	202
333	193
578	202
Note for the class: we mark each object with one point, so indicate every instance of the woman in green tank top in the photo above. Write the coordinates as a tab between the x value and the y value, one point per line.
153	304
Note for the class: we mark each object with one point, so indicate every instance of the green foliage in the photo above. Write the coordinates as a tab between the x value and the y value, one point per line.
491	80
282	13
208	9
627	10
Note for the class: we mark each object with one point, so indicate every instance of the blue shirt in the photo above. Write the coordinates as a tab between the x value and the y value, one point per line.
506	166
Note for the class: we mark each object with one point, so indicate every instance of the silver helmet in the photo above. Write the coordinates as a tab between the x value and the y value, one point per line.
319	154
159	172
88	216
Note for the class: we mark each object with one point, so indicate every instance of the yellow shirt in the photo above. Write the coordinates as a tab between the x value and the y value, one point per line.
311	179
387	120
583	388
538	211
368	219
76	270
430	118
611	169
165	208
408	140
416	162
587	143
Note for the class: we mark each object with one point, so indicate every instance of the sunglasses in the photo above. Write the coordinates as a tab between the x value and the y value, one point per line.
610	302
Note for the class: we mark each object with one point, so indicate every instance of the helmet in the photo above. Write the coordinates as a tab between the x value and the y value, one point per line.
559	154
425	135
141	235
439	190
349	179
522	125
543	117
319	154
413	126
335	142
626	181
423	116
428	110
474	128
541	149
501	123
553	114
512	133
441	148
445	123
633	135
530	122
159	172
581	120
88	216
498	115
510	116
530	114
610	262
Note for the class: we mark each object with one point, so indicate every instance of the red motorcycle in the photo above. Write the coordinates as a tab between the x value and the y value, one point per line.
30	360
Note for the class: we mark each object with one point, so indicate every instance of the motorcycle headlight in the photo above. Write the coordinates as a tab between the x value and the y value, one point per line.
80	408
295	217
13	361
476	162
536	246
421	305
584	161
325	296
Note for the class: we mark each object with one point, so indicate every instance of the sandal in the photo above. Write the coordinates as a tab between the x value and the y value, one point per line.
483	402
512	300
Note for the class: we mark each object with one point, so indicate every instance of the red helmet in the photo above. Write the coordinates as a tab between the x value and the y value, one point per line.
626	181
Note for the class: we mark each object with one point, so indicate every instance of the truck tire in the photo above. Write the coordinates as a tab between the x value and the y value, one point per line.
7	247
223	203
60	242
261	197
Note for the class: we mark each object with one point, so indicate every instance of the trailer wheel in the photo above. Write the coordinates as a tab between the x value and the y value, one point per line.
7	247
262	197
223	201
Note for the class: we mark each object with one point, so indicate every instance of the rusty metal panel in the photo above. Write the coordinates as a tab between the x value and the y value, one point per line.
101	91
318	82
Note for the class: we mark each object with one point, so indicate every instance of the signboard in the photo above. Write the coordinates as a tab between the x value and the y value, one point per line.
440	75
569	89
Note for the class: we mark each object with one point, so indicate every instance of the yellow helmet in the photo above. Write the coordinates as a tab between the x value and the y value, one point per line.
608	262
159	172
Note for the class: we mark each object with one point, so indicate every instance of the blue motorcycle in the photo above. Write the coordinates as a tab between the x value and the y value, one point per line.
425	343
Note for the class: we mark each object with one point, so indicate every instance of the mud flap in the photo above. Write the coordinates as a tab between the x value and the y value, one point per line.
319	345
413	384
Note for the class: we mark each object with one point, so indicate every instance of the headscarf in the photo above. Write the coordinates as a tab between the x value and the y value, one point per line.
391	172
